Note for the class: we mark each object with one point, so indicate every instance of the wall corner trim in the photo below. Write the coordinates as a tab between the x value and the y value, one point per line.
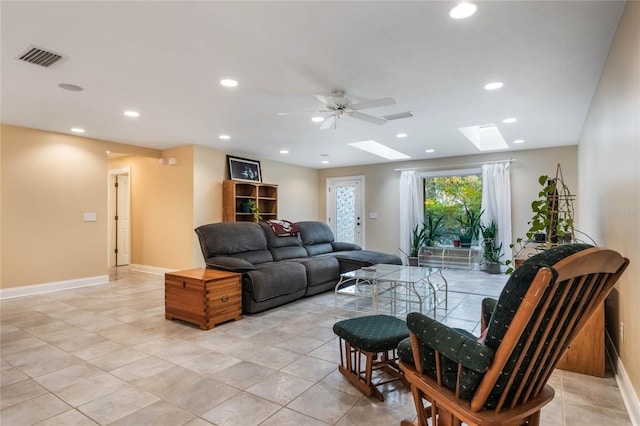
30	290
624	383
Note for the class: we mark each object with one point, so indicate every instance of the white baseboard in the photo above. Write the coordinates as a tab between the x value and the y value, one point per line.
150	269
631	401
30	290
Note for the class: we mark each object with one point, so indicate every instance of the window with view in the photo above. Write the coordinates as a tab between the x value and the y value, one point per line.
451	205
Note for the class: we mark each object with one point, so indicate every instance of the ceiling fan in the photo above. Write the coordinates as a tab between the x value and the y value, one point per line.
338	106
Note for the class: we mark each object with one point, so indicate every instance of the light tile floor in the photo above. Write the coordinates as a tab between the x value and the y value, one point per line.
106	355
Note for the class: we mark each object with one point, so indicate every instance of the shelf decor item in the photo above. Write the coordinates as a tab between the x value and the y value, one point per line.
244	169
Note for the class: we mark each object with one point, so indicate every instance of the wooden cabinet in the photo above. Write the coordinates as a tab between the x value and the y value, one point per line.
203	296
238	194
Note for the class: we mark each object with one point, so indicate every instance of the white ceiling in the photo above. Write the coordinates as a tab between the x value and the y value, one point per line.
165	59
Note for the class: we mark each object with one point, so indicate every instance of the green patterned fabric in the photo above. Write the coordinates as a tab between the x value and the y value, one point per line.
375	333
509	301
488	306
457	346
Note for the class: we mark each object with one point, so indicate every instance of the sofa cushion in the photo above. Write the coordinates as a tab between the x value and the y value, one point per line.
356	259
312	232
275	279
244	240
282	248
321	270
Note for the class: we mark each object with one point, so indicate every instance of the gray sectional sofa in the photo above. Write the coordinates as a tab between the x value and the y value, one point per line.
279	269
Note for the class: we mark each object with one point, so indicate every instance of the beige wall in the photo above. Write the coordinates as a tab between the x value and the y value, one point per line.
609	164
297	190
382	181
49	180
161	208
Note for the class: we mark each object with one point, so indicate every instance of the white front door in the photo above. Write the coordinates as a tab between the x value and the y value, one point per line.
345	208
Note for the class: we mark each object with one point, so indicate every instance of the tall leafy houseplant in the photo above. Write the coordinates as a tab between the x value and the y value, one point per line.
492	252
547	218
433	229
470	223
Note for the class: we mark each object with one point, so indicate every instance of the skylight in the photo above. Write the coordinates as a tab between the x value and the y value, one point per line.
485	137
380	150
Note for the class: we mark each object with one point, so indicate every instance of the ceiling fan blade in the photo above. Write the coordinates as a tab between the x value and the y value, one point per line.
367	117
328	122
322	99
375	103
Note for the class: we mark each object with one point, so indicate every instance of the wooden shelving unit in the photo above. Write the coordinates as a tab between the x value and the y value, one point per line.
237	194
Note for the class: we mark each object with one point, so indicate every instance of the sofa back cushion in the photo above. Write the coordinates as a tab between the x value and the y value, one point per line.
316	237
244	240
282	248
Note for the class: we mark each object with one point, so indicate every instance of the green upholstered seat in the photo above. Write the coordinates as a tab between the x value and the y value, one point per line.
375	333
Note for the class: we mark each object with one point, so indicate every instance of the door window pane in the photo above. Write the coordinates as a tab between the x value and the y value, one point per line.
345	213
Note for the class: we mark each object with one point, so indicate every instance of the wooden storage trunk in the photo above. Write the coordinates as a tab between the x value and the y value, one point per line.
203	296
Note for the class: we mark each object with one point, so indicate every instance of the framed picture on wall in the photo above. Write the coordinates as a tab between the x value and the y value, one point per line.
244	169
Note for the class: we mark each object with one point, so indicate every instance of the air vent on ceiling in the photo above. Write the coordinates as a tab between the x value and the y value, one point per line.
397	116
38	56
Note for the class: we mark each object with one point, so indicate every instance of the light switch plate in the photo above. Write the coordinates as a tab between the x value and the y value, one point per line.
373	215
90	217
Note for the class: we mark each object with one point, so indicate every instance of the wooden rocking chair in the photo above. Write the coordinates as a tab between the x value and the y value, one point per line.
544	305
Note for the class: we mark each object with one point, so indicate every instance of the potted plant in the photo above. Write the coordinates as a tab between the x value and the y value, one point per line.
432	230
417	241
470	222
492	252
253	208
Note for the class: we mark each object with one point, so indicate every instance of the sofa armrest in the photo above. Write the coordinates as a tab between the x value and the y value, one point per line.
341	246
231	264
450	343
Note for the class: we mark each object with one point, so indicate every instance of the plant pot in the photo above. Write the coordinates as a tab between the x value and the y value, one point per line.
539	237
465	242
456	243
413	261
492	268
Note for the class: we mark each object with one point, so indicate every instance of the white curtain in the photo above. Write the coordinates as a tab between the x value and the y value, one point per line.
496	203
411	209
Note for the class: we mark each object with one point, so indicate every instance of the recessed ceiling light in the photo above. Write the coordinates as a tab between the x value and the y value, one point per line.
227	82
71	87
509	120
494	85
317	119
284	151
224	137
77	130
429	150
380	150
519	141
325	161
463	10
131	113
401	135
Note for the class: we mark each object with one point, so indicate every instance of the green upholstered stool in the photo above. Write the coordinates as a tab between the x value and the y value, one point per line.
367	337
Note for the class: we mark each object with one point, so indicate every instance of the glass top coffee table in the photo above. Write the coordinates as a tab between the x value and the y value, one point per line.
396	289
